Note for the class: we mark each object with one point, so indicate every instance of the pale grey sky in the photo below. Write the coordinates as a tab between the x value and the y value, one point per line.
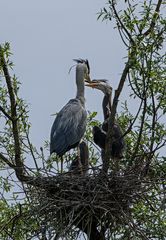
45	36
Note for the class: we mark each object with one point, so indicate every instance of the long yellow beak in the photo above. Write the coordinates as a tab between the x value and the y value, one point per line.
88	79
91	84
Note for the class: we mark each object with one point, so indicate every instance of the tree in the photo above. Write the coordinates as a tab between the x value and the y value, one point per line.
118	200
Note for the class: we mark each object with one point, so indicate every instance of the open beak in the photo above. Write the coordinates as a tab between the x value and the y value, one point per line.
91	84
87	78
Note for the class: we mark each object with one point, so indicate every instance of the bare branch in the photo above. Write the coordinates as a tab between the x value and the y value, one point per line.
31	151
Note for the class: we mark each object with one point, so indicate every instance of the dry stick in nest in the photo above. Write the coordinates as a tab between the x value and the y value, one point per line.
77	195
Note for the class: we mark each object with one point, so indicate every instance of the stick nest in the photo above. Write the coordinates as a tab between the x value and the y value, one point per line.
70	200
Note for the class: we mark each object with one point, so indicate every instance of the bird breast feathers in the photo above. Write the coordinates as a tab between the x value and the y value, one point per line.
72	116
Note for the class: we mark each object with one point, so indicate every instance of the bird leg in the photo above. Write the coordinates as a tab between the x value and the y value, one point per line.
116	163
79	161
62	164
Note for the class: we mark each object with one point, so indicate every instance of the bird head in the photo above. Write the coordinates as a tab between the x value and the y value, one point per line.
85	63
101	84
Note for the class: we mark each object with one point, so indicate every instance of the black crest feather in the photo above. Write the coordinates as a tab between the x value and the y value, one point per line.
80	60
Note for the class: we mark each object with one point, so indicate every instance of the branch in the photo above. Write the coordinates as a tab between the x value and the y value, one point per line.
31	151
153	120
4	159
141	129
92	231
13	220
18	161
133	121
16	218
133	89
121	23
5	113
154	18
111	120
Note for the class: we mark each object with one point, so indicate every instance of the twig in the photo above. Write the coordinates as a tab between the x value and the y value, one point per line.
154	18
4	159
121	24
31	151
131	125
131	85
5	113
141	129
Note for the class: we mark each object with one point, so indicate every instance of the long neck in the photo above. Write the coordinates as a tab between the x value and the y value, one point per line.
106	105
80	84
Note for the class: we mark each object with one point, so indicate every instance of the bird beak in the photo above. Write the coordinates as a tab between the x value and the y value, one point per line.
91	84
87	78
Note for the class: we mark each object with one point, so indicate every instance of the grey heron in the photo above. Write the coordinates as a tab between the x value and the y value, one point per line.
99	134
70	123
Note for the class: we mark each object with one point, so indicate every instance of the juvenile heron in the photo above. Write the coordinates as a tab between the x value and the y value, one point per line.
70	123
99	134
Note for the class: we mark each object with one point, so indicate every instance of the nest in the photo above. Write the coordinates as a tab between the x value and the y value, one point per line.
69	200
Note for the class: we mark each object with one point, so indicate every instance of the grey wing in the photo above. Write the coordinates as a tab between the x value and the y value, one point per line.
117	132
68	127
118	135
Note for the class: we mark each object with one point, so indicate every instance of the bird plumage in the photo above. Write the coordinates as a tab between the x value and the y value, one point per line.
70	123
99	137
80	164
99	134
68	127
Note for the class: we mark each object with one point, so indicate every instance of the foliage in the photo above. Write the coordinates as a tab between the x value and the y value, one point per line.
137	188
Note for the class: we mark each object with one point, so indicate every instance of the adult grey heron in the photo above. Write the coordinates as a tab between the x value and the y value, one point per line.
70	123
99	134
